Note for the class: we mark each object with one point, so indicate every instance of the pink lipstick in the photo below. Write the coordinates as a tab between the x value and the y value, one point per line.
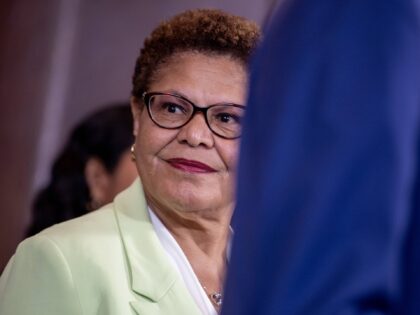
190	166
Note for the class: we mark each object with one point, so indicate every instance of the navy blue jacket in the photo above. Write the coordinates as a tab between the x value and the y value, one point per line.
328	215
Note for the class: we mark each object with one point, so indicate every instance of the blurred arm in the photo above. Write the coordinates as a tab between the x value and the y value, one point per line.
328	161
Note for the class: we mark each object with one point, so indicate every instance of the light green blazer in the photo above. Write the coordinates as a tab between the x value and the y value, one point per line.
107	262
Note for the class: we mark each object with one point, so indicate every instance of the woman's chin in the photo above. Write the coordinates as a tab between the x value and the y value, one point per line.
187	196
194	203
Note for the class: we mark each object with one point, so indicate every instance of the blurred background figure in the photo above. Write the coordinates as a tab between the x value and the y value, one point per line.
94	165
328	215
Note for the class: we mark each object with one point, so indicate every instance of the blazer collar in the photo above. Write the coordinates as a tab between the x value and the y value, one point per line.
150	270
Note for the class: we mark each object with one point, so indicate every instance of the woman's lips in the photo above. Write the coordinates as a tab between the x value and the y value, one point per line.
190	166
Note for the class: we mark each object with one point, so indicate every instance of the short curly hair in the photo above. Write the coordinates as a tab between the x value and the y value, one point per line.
202	30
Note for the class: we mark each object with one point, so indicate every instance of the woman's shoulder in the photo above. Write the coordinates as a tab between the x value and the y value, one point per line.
98	223
78	244
91	235
70	265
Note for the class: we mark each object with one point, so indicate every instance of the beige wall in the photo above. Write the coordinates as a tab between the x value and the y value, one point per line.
60	59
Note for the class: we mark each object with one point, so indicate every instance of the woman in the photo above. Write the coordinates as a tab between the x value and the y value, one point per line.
94	165
161	247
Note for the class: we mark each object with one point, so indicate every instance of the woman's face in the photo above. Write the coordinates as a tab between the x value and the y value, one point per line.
190	168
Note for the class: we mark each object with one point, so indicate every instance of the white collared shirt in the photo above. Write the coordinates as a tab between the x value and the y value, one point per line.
181	263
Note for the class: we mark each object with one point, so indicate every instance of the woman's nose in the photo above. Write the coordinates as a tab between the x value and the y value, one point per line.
196	132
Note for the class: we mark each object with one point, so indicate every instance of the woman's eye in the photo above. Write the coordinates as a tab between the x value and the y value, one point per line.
173	108
228	118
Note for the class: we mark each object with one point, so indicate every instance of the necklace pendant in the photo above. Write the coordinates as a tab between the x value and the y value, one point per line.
217	298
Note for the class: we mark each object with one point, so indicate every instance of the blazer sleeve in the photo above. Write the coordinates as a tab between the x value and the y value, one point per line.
38	281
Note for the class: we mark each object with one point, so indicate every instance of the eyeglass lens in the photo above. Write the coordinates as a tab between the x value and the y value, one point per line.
170	111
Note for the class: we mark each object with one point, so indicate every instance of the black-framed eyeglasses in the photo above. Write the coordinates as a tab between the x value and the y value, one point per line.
171	111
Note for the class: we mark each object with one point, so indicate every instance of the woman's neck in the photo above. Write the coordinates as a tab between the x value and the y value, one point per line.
203	236
206	231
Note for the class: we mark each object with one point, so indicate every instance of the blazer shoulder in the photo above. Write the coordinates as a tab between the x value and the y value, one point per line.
37	273
94	224
80	240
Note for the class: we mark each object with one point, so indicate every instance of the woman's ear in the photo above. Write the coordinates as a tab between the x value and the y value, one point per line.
136	110
99	182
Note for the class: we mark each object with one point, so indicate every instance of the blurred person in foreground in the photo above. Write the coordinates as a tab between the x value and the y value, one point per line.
94	165
328	215
161	246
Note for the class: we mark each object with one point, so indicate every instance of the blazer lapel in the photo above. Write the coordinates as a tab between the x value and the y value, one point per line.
151	273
